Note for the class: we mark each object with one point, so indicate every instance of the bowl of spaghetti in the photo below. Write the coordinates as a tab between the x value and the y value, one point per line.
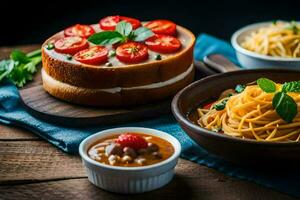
246	117
268	45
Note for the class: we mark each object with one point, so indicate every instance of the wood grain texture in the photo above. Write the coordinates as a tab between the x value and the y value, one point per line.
44	106
9	133
30	161
206	185
37	170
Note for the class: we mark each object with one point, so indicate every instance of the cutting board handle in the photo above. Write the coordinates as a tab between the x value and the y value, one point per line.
220	63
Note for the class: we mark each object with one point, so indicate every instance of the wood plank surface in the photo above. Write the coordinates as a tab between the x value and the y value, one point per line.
208	185
14	133
30	161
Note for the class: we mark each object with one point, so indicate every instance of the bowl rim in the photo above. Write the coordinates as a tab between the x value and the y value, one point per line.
182	118
175	143
246	52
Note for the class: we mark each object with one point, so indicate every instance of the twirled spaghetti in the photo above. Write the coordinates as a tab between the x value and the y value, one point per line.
250	114
280	39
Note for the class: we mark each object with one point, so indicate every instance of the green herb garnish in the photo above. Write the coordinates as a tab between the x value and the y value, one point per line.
293	86
69	57
221	105
20	68
112	53
121	34
284	104
240	88
294	27
266	85
50	46
158	57
274	22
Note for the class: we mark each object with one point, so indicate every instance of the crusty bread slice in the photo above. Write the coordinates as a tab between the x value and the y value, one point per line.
98	97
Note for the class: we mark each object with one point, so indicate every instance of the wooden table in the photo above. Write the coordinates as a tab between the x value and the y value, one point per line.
30	168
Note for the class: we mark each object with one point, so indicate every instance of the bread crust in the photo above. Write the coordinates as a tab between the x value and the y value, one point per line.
94	97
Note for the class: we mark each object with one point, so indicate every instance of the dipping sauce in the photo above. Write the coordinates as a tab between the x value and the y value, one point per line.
131	150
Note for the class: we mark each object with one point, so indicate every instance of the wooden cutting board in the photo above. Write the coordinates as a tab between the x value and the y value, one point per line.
43	106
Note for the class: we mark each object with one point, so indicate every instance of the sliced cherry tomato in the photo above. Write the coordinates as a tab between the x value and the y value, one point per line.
70	45
109	23
92	56
163	43
132	52
79	30
162	26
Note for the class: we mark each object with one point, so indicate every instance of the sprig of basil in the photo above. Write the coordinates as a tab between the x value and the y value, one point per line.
284	104
123	33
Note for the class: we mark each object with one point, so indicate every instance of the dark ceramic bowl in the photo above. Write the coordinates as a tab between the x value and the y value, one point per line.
237	150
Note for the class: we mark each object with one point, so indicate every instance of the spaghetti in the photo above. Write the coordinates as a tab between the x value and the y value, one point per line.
279	39
250	114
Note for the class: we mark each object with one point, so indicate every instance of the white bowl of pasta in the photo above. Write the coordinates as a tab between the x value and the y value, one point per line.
244	127
268	45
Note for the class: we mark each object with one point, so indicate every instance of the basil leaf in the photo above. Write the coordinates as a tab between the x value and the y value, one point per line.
124	28
285	106
6	66
19	56
240	88
142	34
106	37
266	85
293	86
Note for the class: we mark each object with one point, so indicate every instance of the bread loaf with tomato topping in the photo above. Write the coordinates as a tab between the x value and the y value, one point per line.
121	84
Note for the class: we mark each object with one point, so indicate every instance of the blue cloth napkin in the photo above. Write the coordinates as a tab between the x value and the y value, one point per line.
68	139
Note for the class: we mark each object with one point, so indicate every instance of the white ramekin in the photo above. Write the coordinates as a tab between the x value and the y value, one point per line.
252	60
129	179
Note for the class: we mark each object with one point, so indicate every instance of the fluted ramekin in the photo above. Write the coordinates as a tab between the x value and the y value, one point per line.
129	180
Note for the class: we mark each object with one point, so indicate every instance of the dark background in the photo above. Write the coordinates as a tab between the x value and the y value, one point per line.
28	22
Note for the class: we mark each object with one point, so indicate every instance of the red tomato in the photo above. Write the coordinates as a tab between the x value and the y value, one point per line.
109	23
163	43
79	30
70	45
162	26
132	52
92	56
132	140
